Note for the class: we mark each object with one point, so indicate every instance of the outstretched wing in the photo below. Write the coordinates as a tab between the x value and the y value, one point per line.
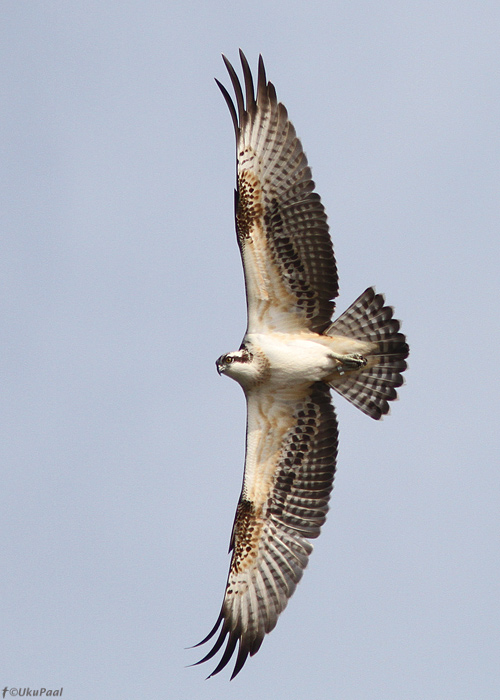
289	470
290	271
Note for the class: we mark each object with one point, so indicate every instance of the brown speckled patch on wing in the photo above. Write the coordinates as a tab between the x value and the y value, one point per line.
290	480
249	209
290	270
246	533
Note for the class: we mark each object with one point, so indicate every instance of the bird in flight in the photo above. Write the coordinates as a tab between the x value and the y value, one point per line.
292	354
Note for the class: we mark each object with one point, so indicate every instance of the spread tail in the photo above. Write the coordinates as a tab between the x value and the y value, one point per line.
371	387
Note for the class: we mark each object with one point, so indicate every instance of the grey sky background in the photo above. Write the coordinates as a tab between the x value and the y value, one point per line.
122	450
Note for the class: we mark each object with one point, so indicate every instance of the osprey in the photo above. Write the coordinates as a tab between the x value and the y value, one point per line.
291	356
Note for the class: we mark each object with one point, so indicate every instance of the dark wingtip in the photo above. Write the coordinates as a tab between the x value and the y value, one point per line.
230	104
236	87
210	634
240	661
228	652
261	80
213	651
230	641
249	89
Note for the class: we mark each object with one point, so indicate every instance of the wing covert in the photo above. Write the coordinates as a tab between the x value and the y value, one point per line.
287	484
282	230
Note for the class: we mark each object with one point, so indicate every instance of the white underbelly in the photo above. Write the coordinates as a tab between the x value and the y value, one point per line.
293	359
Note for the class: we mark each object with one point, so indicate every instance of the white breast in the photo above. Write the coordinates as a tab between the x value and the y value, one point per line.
293	358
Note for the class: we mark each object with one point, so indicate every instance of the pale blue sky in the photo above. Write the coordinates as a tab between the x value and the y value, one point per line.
122	449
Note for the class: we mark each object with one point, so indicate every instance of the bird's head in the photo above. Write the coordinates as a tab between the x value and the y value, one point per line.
240	365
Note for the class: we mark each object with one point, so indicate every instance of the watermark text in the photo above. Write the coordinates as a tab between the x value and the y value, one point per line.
31	692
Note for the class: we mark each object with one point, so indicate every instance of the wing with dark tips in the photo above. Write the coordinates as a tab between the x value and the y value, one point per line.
289	471
290	270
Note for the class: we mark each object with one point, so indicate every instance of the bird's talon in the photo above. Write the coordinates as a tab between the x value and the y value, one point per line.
350	362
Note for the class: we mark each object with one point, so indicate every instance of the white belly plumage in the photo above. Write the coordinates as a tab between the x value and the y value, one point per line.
304	358
292	359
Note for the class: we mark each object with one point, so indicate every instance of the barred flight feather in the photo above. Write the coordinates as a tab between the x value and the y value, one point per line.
293	512
281	223
372	387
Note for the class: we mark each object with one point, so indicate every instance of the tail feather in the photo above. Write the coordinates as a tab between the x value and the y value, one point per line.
370	388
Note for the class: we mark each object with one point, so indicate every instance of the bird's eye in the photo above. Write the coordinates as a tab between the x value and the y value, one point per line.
228	360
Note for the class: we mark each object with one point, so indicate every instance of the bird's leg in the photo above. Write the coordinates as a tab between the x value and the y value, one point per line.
348	362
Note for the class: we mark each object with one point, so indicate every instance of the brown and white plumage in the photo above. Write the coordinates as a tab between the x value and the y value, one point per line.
292	443
290	271
291	355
